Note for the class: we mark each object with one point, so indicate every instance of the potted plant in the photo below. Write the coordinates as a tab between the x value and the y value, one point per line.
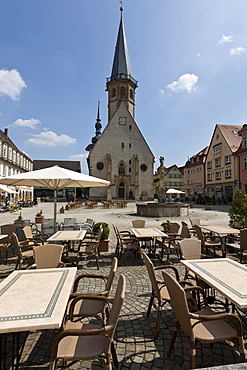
39	218
19	220
166	226
104	242
67	207
62	209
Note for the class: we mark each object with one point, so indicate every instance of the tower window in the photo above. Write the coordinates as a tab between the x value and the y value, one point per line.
122	145
113	93
123	92
100	166
130	161
143	167
131	94
121	169
130	127
129	145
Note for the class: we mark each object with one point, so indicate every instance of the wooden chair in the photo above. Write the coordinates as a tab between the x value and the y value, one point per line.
159	289
79	341
48	256
209	242
90	247
138	223
23	253
238	243
92	308
204	326
39	238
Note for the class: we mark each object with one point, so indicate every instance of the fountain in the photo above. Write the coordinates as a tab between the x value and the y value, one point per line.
162	208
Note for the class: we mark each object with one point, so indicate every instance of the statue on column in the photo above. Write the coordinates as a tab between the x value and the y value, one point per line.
162	186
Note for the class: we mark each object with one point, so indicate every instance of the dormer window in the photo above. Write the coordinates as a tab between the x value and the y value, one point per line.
244	142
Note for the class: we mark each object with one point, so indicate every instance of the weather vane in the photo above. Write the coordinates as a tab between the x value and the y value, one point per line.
121	2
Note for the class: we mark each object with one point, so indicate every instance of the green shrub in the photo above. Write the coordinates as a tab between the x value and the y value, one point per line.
106	229
166	226
238	211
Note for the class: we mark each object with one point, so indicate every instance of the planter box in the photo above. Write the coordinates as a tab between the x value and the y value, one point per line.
104	245
39	220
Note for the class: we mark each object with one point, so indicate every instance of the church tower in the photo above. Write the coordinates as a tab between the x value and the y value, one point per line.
120	154
121	85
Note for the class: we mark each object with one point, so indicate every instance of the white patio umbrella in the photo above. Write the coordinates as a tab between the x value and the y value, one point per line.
174	191
6	189
54	178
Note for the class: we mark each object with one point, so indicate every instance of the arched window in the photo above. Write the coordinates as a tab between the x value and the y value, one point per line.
121	169
123	92
113	93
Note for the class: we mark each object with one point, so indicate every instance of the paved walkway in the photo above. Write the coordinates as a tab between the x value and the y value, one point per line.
136	347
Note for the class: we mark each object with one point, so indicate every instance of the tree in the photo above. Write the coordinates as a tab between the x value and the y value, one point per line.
238	210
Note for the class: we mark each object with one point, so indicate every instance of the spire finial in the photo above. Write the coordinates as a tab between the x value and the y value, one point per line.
121	8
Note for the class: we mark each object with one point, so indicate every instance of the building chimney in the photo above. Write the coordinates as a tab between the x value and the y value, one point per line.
6	132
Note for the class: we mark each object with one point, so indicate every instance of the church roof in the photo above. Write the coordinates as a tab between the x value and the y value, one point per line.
121	64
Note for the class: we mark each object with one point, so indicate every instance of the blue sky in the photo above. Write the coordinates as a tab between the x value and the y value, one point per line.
189	56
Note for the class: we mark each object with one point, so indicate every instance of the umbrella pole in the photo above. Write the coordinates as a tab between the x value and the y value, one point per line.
55	209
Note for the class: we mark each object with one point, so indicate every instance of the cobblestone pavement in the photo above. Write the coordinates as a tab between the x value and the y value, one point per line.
134	337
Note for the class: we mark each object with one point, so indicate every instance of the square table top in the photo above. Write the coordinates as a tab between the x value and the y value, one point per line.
68	235
147	232
221	230
35	299
228	277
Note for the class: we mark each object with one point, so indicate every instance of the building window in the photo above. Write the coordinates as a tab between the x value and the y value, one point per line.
228	174
123	92
100	166
113	93
244	142
121	170
209	165
130	127
143	167
227	159
131	94
129	145
129	169
217	151
5	151
217	162
4	171
130	161
218	175
245	163
122	145
209	177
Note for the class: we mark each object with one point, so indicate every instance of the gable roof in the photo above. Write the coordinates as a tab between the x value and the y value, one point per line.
230	133
69	165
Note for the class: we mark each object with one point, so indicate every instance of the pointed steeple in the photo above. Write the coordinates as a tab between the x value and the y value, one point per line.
121	64
98	127
121	85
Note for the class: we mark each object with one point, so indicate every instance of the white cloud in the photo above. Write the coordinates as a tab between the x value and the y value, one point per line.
225	39
50	139
11	83
237	51
31	123
185	82
78	156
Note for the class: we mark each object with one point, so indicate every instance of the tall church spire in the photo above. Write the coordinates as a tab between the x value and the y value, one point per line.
121	85
121	64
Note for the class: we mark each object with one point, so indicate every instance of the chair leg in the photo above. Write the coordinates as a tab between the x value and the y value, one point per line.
158	320
192	355
174	335
114	355
150	304
97	261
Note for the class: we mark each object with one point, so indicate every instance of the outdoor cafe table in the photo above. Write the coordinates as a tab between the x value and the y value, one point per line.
226	276
220	230
67	236
147	232
34	300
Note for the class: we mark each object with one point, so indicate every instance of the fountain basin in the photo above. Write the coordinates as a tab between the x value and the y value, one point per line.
162	209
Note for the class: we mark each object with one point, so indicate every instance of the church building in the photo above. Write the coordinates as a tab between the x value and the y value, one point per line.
120	154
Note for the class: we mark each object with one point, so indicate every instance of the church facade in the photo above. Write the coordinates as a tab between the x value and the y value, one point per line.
120	154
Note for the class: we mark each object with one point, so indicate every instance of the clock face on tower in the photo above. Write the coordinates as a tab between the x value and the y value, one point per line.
122	120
